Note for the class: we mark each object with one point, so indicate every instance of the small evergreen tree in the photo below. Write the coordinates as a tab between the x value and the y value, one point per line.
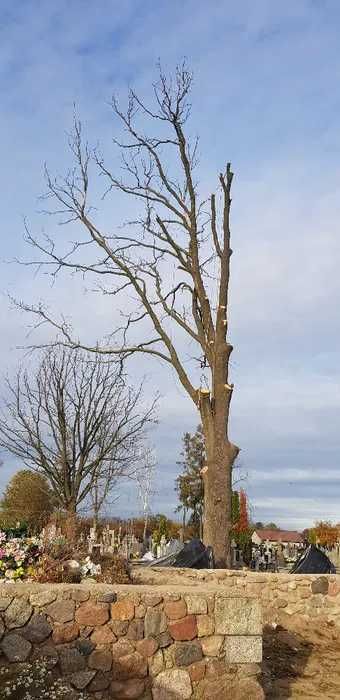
189	484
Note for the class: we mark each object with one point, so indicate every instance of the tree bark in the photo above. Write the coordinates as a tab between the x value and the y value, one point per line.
71	508
220	457
217	503
145	529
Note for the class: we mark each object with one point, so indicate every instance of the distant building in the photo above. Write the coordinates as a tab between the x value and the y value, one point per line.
276	537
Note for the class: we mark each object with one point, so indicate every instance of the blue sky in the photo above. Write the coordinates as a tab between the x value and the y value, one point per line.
267	97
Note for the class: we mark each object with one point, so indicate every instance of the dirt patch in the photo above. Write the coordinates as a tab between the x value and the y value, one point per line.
302	662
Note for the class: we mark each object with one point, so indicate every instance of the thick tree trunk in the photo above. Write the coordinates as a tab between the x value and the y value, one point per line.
217	503
71	508
217	474
70	524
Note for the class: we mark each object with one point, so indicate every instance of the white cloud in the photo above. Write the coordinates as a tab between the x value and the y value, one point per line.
296	512
293	476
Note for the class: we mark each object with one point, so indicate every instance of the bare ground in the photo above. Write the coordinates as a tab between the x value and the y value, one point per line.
304	663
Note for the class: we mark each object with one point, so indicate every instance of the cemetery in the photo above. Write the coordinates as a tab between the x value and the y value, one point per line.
151	631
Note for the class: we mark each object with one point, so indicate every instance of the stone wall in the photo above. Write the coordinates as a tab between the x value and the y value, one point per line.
282	596
160	643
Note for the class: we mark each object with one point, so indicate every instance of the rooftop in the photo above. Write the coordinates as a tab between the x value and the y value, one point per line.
279	535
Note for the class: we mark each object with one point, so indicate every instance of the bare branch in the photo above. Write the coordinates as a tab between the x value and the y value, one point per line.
76	421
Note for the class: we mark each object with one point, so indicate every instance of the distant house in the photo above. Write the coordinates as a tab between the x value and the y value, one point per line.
275	537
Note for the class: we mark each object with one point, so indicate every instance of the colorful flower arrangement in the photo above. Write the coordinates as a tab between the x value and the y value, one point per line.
18	557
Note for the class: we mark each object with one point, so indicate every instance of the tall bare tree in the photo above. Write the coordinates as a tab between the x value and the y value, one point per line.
76	422
173	260
144	480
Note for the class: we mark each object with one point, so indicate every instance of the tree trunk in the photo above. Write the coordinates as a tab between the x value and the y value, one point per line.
217	475
71	508
70	524
217	504
201	523
183	524
146	518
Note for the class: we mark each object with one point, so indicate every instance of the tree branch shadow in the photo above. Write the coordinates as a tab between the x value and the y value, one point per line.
285	657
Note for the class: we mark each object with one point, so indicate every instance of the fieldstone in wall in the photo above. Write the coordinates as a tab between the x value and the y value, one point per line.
129	690
147	647
80	596
39	600
196	605
164	639
17	613
121	648
197	671
156	663
320	585
81	679
247	688
61	610
212	646
15	647
154	623
205	625
123	610
107	598
85	646
100	659
91	613
38	629
64	633
243	650
135	630
235	616
119	627
130	666
333	589
140	611
71	661
215	668
186	653
100	682
103	635
185	629
176	609
152	600
174	684
4	603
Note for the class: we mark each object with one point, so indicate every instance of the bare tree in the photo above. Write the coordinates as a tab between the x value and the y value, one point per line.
144	479
173	260
132	463
76	421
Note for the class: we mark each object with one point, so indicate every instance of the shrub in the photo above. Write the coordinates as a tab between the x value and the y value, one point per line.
27	498
114	569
